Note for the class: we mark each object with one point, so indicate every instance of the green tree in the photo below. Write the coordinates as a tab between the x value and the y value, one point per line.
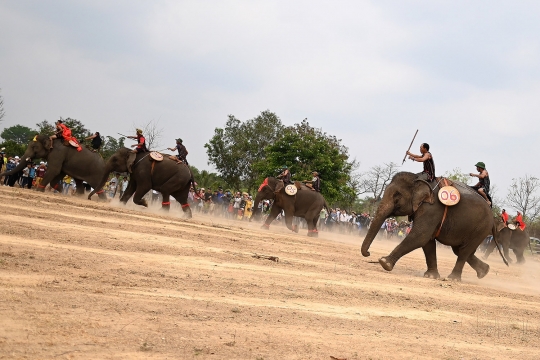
18	133
110	145
78	130
206	179
12	148
235	149
305	149
457	175
45	128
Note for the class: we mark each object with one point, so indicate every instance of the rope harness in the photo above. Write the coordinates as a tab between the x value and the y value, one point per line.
445	212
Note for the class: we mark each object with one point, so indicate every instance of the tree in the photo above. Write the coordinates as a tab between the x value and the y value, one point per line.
235	149
375	180
13	149
206	179
45	128
522	196
457	175
304	149
110	145
78	130
19	134
2	112
152	133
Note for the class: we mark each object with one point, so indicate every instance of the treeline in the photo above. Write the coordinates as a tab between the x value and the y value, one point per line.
17	137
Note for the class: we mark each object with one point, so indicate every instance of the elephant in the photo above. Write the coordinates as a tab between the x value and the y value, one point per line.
463	226
62	160
517	240
306	204
166	176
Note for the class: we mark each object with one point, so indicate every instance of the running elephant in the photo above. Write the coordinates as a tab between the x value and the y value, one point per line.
167	176
517	240
306	204
463	226
62	160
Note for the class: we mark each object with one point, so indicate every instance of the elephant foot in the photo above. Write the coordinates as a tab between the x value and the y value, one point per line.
454	277
265	226
521	261
482	271
432	274
386	264
143	203
295	228
510	261
313	233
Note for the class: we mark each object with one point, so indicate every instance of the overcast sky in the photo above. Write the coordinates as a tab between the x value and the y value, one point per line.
466	74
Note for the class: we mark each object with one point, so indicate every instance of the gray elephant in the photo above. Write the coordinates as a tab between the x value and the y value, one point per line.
306	204
167	176
517	240
62	160
462	226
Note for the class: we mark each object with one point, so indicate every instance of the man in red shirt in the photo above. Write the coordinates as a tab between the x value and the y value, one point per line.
62	132
40	173
519	221
141	142
504	216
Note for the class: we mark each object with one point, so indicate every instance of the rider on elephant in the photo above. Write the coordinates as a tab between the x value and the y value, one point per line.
483	181
141	142
428	173
504	216
285	178
519	221
182	152
62	132
315	183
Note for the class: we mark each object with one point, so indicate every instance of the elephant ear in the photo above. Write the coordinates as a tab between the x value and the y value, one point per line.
499	224
43	140
422	193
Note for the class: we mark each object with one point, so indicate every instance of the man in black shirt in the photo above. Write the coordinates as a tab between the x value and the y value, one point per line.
428	172
96	141
182	152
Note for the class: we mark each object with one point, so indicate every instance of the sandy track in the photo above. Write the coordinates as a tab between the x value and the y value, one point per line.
81	279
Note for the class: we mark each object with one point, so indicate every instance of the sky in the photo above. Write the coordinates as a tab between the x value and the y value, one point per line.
465	74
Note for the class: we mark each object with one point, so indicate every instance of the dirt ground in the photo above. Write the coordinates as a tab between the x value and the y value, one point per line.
82	279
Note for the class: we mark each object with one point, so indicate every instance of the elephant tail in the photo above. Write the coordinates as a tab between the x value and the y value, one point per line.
192	181
497	244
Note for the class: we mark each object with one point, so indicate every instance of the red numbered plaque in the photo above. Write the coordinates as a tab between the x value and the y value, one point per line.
449	195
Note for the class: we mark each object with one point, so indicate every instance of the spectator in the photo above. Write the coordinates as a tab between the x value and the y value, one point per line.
66	185
26	176
32	176
123	186
40	173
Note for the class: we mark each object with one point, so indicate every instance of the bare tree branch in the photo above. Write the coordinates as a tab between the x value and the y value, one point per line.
377	178
2	112
152	133
522	196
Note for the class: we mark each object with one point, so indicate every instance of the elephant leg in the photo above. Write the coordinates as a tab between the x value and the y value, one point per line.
489	249
419	236
130	190
311	218
478	265
289	222
519	256
139	194
462	258
430	252
182	197
506	252
274	212
165	202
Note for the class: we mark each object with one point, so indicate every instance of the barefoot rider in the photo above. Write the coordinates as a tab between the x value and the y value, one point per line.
483	181
428	173
182	152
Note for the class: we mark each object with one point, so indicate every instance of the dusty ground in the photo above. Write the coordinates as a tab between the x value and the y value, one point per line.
81	279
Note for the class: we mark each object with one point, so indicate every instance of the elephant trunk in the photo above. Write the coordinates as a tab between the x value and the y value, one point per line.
256	211
383	212
108	170
22	164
